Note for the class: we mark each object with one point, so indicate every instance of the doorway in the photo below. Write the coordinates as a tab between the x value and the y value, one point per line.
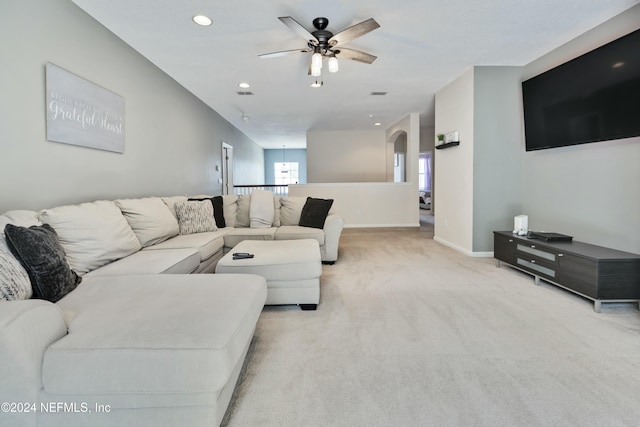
227	169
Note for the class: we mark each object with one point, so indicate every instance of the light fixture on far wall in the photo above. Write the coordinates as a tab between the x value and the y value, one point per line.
317	83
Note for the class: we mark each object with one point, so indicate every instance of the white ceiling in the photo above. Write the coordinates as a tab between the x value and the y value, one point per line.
421	46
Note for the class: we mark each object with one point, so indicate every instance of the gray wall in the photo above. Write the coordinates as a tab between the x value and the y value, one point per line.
590	191
172	140
497	152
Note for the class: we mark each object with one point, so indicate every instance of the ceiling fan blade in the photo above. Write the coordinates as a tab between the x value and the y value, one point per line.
355	55
298	29
354	32
282	53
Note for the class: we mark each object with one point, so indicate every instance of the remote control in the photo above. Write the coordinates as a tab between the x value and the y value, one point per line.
241	254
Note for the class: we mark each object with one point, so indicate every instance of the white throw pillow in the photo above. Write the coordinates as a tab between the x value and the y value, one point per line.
195	216
290	210
150	218
14	279
92	234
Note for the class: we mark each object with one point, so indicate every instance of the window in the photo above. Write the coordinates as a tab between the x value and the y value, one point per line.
285	173
424	172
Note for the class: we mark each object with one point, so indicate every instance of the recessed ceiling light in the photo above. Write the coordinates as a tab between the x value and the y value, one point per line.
244	85
377	124
202	20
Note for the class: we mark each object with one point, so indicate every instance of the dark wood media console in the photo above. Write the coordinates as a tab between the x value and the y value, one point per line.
594	272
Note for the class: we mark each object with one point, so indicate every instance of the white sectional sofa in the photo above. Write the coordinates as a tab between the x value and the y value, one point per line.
131	345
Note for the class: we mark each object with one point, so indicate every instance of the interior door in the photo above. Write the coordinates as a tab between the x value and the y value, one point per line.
227	168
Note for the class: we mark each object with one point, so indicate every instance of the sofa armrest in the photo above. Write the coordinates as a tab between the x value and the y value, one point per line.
332	230
27	329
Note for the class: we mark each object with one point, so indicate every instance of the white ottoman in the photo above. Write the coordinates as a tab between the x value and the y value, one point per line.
292	269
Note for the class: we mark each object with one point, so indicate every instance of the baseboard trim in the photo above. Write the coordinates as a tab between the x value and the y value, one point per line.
463	250
417	224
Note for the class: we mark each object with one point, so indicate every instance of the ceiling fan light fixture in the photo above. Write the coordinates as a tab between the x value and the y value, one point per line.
316	60
316	83
333	64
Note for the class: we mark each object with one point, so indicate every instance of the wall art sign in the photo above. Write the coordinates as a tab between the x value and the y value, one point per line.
82	113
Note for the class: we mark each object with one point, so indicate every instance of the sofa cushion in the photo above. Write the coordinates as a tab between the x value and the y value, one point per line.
207	244
41	254
92	234
314	212
237	235
171	203
14	280
128	334
230	209
290	210
195	216
261	209
242	217
167	261
23	218
149	218
297	232
276	211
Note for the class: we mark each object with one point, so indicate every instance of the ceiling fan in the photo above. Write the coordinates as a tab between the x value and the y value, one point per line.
324	44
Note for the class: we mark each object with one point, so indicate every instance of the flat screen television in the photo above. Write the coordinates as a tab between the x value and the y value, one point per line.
594	97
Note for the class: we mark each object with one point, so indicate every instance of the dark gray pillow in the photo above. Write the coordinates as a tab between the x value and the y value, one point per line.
39	251
314	212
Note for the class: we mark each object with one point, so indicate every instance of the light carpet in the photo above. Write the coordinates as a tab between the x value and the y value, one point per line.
411	333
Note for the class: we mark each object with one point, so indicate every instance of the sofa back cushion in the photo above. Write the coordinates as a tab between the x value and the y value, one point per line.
242	217
290	210
149	218
230	209
92	234
22	218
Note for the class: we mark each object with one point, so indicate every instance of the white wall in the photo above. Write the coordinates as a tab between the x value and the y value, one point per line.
172	140
589	191
346	156
367	204
453	197
374	204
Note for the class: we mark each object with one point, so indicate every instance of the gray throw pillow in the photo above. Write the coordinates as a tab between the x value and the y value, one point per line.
39	251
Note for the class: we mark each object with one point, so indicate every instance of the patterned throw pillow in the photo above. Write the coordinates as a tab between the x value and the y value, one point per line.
14	280
195	216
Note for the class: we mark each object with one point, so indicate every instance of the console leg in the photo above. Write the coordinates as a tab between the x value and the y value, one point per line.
597	304
308	306
498	263
536	280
